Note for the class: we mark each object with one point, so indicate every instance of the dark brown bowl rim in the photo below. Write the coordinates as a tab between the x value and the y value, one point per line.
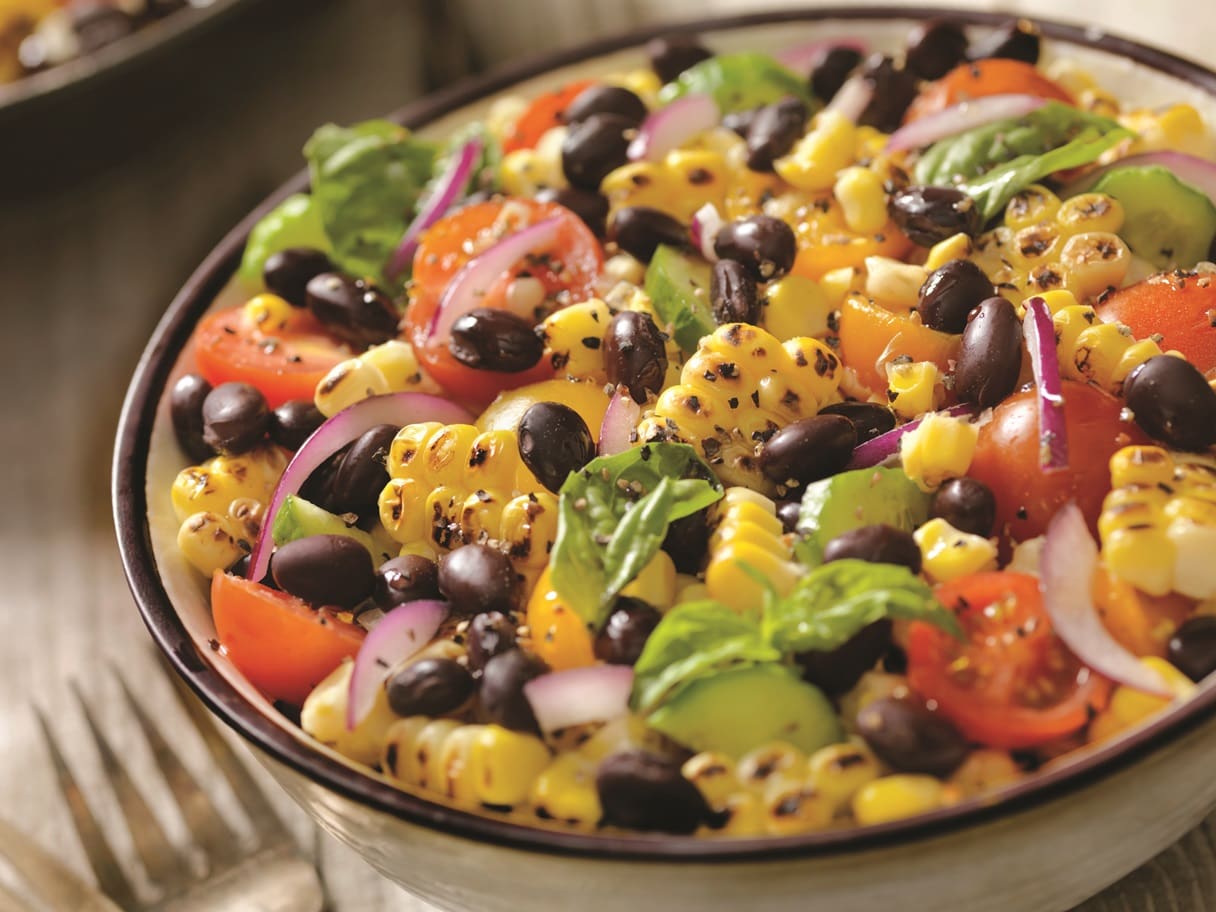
130	514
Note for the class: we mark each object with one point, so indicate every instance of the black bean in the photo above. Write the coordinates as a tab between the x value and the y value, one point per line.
774	130
186	411
477	578
362	474
354	311
317	486
893	90
288	272
324	570
490	633
870	419
406	578
950	293
639	230
639	790
837	671
687	542
623	636
878	544
235	417
554	441
765	245
935	48
1192	648
588	205
967	504
502	689
740	121
909	737
788	512
990	357
99	24
430	687
732	293
1017	39
487	338
594	148
808	450
606	99
1173	402
671	55
635	354
293	422
931	214
832	69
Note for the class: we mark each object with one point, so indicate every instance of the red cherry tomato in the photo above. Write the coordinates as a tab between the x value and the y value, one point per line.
995	76
567	272
285	364
1181	307
543	114
1012	683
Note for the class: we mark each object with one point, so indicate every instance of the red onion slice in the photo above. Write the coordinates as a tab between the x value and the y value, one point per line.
884	446
961	117
1040	335
620	424
595	693
448	188
343	428
399	634
706	223
466	291
1198	172
852	98
802	58
1066	572
670	127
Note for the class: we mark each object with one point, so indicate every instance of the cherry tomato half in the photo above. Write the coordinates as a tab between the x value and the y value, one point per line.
543	114
994	76
1181	307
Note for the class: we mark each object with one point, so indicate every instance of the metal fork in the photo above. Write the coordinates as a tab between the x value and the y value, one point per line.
270	875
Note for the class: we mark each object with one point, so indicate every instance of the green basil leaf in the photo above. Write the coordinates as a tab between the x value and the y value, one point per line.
292	223
738	82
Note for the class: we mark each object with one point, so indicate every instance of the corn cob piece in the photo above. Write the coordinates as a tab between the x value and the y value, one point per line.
1092	351
388	368
747	535
212	486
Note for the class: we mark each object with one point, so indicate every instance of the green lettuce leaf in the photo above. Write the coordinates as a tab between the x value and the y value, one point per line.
292	223
738	82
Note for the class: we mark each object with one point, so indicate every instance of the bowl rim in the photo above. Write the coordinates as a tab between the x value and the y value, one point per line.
134	537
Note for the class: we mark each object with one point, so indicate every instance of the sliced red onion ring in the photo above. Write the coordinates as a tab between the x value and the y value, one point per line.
801	58
399	634
1066	572
343	428
466	290
961	117
1198	172
884	446
620	424
706	223
1040	335
449	187
852	98
670	127
596	693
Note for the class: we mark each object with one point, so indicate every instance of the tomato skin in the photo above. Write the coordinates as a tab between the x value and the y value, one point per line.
283	646
228	348
1007	459
1013	683
1181	308
994	76
543	114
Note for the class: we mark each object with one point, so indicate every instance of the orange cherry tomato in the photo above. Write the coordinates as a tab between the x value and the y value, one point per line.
994	76
871	335
1142	623
284	647
1181	307
559	636
543	114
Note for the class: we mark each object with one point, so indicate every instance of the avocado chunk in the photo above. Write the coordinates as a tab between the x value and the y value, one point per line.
850	500
738	82
1167	221
299	518
740	709
678	286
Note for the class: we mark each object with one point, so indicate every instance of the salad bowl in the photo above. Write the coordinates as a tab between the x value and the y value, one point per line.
1044	843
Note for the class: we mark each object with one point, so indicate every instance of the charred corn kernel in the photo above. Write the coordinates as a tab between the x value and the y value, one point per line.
212	486
838	283
862	199
894	284
747	536
1030	206
777	759
740	385
622	267
1090	212
838	771
504	764
680	184
1194	544
573	337
524	172
956	247
948	554
910	388
985	769
1141	465
797	807
744	815
1179	127
828	147
210	542
714	776
896	797
1096	352
566	791
940	447
1129	706
796	306
656	583
323	716
627	732
1094	262
529	528
268	312
387	368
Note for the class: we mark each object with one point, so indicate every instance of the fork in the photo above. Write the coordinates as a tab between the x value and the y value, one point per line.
270	876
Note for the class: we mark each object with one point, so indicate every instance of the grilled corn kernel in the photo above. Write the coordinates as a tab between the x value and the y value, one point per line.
212	486
504	764
1030	206
656	583
208	543
714	776
862	199
1091	212
1179	127
566	791
948	554
744	815
1129	707
1141	465
680	184
797	807
525	172
1096	352
940	447
529	528
268	312
911	388
894	284
324	717
956	247
796	306
387	368
825	150
896	797
838	771
777	759
1094	262
747	536
984	770
572	339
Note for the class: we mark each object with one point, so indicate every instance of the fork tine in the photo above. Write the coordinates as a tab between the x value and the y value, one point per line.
46	878
211	832
163	863
101	857
261	813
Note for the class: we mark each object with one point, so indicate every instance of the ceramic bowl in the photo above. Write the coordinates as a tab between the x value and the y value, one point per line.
1043	844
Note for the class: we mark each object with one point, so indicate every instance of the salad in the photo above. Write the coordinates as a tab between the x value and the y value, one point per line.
747	443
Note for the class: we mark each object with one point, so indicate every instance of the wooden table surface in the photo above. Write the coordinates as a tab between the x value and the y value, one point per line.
103	212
